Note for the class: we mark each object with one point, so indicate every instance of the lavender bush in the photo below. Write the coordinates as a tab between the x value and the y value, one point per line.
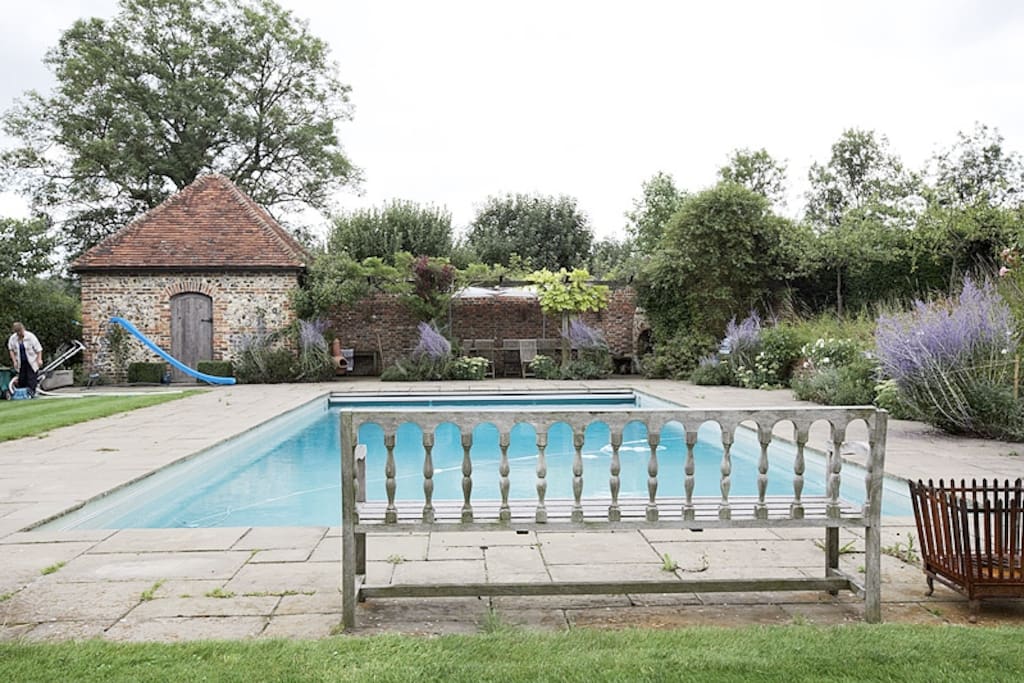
315	363
583	336
432	345
743	341
953	362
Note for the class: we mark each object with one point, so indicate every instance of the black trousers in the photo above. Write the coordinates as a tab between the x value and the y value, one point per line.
27	377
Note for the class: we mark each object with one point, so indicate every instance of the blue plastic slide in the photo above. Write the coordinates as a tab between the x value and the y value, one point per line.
209	379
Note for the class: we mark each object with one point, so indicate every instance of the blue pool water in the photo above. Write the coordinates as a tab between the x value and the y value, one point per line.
287	473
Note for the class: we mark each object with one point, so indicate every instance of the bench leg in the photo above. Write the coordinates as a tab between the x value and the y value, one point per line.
348	577
361	559
831	553
873	575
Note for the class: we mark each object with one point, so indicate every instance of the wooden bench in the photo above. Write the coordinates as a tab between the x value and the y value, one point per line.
972	538
579	513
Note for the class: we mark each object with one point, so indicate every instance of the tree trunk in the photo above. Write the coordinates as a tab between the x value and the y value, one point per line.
565	338
839	291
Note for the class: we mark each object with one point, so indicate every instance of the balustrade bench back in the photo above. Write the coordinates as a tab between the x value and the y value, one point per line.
828	512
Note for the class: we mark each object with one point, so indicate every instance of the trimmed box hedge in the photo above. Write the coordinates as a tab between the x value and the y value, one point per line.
217	368
146	373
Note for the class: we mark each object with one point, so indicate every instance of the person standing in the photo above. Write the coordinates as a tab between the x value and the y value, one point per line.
26	357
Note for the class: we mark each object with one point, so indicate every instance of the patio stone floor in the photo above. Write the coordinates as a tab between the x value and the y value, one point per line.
228	583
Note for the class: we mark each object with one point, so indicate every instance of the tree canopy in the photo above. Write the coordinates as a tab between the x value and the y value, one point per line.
395	227
25	248
545	232
659	200
167	90
758	171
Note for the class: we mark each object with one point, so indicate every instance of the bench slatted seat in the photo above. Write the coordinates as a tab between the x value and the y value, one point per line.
828	512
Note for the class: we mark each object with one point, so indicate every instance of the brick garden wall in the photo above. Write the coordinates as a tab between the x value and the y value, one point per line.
240	300
382	323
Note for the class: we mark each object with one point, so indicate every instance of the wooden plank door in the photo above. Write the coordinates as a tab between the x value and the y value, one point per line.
191	331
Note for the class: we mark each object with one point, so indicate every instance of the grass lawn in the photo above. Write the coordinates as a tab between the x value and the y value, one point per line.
38	416
788	653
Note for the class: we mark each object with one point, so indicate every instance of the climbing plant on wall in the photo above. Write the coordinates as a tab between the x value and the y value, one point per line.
566	293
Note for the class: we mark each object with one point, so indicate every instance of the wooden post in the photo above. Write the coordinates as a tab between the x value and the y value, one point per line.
348	517
1016	377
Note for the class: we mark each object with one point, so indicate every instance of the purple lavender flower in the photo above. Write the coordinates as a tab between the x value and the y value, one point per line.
743	341
946	355
583	336
432	343
311	334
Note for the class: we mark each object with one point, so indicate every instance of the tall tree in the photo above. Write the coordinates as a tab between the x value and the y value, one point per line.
25	248
545	232
863	184
722	253
974	202
659	200
167	90
757	171
394	227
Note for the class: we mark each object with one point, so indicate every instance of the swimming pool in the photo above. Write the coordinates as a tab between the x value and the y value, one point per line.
286	472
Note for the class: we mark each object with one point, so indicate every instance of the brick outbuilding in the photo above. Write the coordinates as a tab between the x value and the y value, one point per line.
197	275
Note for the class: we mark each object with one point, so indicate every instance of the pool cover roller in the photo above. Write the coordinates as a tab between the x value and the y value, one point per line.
209	379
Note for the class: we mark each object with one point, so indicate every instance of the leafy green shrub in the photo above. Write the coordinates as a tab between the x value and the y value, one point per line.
146	373
591	364
780	352
263	360
216	368
678	357
473	367
712	371
830	352
544	367
846	385
48	308
888	397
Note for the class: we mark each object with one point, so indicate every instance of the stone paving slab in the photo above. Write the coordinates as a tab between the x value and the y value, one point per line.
515	563
52	601
54	631
317	603
305	626
166	540
582	547
671	617
267	538
452	571
286	576
187	628
235	606
153	566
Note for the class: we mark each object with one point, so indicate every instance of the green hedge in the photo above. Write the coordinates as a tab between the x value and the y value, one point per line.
217	368
146	373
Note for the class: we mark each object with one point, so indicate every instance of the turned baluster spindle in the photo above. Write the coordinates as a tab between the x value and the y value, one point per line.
390	512
428	477
504	512
724	507
542	473
653	439
689	469
614	483
801	433
467	477
577	476
835	467
764	436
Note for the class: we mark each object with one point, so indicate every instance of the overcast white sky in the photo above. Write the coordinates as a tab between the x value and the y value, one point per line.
456	101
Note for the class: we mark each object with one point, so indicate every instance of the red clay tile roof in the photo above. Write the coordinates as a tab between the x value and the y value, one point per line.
209	225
